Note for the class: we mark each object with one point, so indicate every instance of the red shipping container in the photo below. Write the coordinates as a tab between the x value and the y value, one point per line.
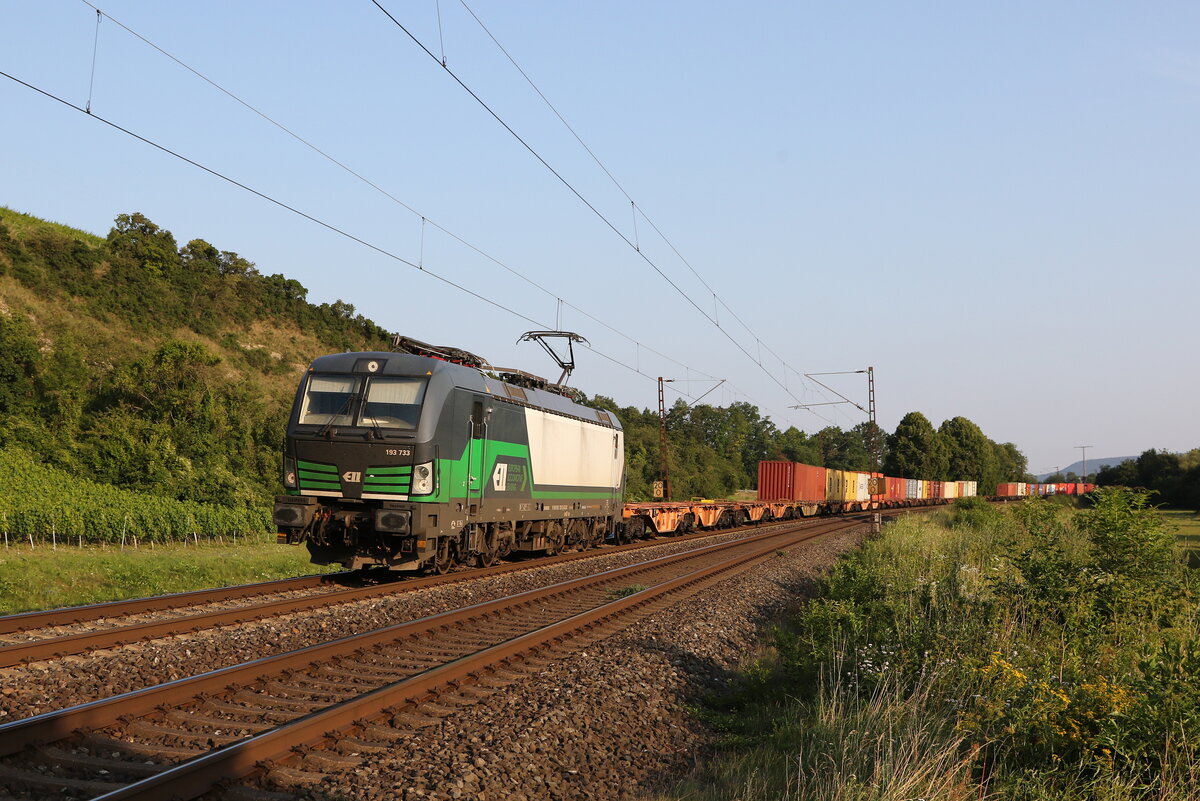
895	489
790	481
808	483
935	489
775	481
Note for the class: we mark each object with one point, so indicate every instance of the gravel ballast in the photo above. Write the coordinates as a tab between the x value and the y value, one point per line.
45	686
609	722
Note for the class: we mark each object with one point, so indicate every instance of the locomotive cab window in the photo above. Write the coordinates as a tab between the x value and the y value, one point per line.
329	400
393	402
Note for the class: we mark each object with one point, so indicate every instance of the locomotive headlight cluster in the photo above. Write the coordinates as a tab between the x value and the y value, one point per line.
393	521
422	479
289	472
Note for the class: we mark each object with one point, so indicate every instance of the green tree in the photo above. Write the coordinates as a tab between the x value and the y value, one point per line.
971	455
1124	474
793	445
915	450
20	364
136	238
1010	464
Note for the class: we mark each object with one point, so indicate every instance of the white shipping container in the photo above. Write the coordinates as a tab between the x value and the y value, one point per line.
911	490
1022	489
862	487
950	489
972	489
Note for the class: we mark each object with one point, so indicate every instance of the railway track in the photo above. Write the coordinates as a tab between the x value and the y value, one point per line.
359	695
36	636
31	621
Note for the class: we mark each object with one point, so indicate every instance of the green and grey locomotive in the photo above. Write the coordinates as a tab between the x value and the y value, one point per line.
415	462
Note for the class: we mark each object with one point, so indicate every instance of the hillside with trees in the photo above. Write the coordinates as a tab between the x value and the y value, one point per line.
135	362
168	370
1174	477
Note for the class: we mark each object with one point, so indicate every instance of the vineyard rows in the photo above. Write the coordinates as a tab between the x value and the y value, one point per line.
43	504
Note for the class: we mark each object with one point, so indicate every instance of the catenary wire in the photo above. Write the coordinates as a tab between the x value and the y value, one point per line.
650	262
391	197
328	226
637	210
424	219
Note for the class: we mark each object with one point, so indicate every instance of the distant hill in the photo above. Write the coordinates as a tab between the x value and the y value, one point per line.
1092	466
130	360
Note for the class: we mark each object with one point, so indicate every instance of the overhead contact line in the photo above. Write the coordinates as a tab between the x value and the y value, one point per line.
328	226
424	219
631	243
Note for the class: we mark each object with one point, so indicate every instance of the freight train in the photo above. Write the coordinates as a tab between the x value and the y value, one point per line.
426	458
809	490
1011	490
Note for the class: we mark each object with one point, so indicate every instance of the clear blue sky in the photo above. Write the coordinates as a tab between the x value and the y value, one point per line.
995	205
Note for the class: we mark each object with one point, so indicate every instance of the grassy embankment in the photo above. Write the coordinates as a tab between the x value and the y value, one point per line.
44	577
1187	532
1034	653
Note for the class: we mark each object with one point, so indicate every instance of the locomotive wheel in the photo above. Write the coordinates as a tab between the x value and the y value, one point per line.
443	560
489	555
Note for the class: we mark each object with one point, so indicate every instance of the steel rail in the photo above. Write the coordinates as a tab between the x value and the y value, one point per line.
68	644
28	621
198	775
52	726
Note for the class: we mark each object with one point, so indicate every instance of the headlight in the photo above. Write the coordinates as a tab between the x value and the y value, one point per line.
294	511
422	480
289	472
394	521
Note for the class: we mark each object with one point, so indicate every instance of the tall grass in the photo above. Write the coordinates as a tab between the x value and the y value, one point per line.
1043	654
843	746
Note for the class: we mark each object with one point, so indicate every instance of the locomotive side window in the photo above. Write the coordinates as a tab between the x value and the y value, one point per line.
329	400
393	402
477	420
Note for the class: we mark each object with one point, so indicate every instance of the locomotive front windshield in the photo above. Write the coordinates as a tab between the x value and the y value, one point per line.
329	400
346	400
393	402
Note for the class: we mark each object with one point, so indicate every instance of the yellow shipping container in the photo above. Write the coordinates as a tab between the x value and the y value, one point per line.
840	485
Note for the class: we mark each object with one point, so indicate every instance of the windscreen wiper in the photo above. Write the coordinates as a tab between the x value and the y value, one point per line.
345	406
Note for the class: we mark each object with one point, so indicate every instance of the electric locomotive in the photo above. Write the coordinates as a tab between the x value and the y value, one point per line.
429	458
